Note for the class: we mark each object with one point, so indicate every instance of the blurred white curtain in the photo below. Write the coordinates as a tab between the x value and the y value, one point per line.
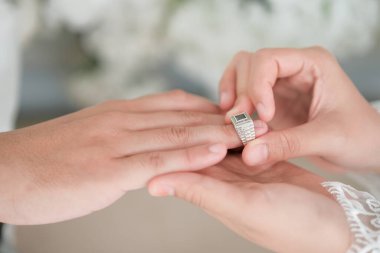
9	64
9	80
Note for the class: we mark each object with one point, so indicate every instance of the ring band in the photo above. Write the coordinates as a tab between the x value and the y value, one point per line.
244	127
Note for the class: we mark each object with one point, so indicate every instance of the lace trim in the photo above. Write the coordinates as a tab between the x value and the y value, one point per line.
363	215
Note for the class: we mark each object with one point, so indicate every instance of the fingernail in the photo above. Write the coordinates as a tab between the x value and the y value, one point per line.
260	108
217	148
162	191
258	154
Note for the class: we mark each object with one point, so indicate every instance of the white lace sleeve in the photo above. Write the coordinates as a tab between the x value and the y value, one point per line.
363	214
371	180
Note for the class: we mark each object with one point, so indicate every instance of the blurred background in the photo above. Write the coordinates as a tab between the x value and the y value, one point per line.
79	53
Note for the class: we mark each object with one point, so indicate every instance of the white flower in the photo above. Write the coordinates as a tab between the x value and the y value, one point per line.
77	15
130	38
206	34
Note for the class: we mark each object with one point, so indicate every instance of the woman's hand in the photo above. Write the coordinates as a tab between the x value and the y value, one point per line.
77	164
311	104
283	208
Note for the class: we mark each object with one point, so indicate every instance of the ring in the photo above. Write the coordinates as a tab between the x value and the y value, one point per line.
244	127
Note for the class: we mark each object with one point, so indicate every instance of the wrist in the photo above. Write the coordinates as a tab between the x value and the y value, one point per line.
376	105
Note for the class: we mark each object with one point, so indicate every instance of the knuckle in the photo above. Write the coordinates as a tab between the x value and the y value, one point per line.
95	128
193	196
265	57
104	138
188	157
131	121
263	53
110	103
318	52
192	117
178	94
111	117
179	135
154	161
227	131
289	146
105	125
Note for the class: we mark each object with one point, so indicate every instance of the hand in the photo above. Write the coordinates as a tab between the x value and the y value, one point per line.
311	104
283	208
77	164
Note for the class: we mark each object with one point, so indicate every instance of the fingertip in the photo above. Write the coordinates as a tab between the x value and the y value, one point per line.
161	190
162	186
203	156
261	109
255	153
265	113
226	100
261	127
266	107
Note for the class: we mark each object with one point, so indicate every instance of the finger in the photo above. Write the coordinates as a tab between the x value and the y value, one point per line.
269	65
282	145
227	86
242	103
145	121
177	100
214	196
182	137
145	166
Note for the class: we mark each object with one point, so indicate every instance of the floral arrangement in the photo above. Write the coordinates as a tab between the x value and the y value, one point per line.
137	45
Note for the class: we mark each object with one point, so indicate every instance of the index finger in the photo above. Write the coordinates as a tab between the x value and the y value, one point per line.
269	65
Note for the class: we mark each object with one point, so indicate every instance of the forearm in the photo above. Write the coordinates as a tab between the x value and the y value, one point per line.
13	185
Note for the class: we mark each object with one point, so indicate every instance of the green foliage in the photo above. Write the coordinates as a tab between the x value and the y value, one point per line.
265	3
326	7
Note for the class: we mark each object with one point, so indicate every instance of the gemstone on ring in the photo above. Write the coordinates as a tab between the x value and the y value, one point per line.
244	127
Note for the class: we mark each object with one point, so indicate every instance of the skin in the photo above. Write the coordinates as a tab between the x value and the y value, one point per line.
80	163
281	207
310	103
302	93
314	110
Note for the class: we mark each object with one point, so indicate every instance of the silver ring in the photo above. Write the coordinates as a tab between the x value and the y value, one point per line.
244	127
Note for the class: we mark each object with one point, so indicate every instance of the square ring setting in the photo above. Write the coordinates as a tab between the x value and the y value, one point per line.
244	127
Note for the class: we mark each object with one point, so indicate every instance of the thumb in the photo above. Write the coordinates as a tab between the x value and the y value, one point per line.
283	145
215	197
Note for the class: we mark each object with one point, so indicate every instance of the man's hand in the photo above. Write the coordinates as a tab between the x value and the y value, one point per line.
80	163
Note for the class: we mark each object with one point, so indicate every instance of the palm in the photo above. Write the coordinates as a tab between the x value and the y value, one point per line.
284	204
233	170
